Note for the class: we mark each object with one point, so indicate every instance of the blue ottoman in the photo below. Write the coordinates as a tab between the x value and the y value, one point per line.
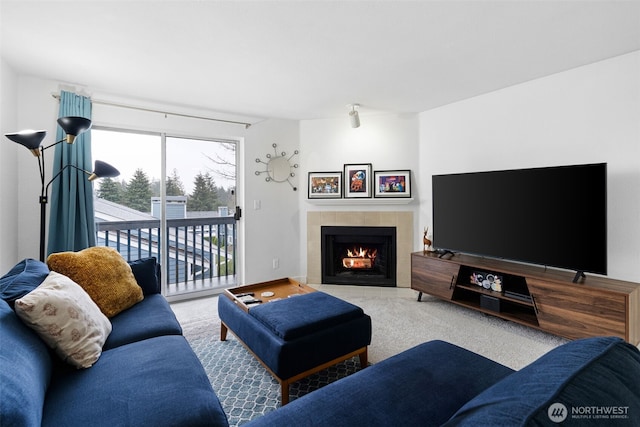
296	337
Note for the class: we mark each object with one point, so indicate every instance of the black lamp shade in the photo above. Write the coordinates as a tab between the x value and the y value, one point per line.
103	170
29	138
74	126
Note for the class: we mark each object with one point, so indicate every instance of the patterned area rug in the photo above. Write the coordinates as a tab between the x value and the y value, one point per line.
245	388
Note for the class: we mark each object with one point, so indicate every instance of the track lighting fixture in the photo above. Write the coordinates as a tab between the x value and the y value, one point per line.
354	117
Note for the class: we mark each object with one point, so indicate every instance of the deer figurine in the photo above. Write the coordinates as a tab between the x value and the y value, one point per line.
426	241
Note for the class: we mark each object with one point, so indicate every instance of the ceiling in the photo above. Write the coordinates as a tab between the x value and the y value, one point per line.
309	59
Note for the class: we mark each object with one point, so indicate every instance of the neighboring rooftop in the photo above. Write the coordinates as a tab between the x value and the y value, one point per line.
106	210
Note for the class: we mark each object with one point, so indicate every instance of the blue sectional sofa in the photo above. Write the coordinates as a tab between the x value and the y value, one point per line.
588	382
147	373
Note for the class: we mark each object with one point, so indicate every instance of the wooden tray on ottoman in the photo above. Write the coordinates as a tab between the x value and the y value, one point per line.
281	288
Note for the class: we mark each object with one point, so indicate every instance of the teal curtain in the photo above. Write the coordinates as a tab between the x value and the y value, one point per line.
71	218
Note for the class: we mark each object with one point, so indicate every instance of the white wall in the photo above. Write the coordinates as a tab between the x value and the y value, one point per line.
8	168
263	231
387	141
586	115
37	109
273	230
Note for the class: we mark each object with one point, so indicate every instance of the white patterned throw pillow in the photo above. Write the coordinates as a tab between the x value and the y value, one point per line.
66	318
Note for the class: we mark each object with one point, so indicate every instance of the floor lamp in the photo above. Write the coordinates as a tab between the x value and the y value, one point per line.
32	139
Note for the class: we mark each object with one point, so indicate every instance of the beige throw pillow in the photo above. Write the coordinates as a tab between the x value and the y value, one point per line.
66	318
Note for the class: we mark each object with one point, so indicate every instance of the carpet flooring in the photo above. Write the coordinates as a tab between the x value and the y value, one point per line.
399	322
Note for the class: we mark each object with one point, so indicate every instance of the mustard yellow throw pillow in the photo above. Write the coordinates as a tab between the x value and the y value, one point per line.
103	273
64	316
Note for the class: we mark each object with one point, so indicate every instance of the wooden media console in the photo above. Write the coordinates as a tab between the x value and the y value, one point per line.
541	298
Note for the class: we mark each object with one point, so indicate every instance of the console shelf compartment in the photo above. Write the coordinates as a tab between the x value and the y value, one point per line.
546	299
510	309
493	294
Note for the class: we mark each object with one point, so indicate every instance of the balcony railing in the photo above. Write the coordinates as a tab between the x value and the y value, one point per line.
201	252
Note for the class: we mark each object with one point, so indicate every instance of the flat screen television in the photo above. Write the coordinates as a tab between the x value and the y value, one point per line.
551	216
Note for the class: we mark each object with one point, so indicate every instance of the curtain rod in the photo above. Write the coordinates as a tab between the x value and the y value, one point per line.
151	110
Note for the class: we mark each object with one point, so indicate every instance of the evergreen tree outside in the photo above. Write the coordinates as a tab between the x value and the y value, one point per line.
204	196
174	185
155	187
138	194
225	198
111	190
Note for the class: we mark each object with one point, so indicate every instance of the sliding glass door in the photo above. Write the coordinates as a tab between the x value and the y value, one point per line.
199	209
175	199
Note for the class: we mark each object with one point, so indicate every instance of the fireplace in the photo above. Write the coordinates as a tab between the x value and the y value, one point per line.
358	255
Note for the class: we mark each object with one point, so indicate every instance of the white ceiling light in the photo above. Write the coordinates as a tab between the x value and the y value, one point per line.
354	118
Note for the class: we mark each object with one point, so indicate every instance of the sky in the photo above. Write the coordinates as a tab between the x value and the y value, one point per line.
130	151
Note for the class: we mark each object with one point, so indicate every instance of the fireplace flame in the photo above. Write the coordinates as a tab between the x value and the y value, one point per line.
362	253
359	258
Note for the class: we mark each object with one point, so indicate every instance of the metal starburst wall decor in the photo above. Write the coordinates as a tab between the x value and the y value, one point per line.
278	167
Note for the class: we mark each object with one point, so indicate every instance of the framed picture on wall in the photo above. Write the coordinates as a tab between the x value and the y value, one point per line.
357	180
394	183
325	185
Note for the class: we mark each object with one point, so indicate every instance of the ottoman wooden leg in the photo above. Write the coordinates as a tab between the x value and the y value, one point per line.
364	358
284	392
223	331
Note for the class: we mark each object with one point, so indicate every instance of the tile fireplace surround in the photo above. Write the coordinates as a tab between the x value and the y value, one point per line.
403	221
